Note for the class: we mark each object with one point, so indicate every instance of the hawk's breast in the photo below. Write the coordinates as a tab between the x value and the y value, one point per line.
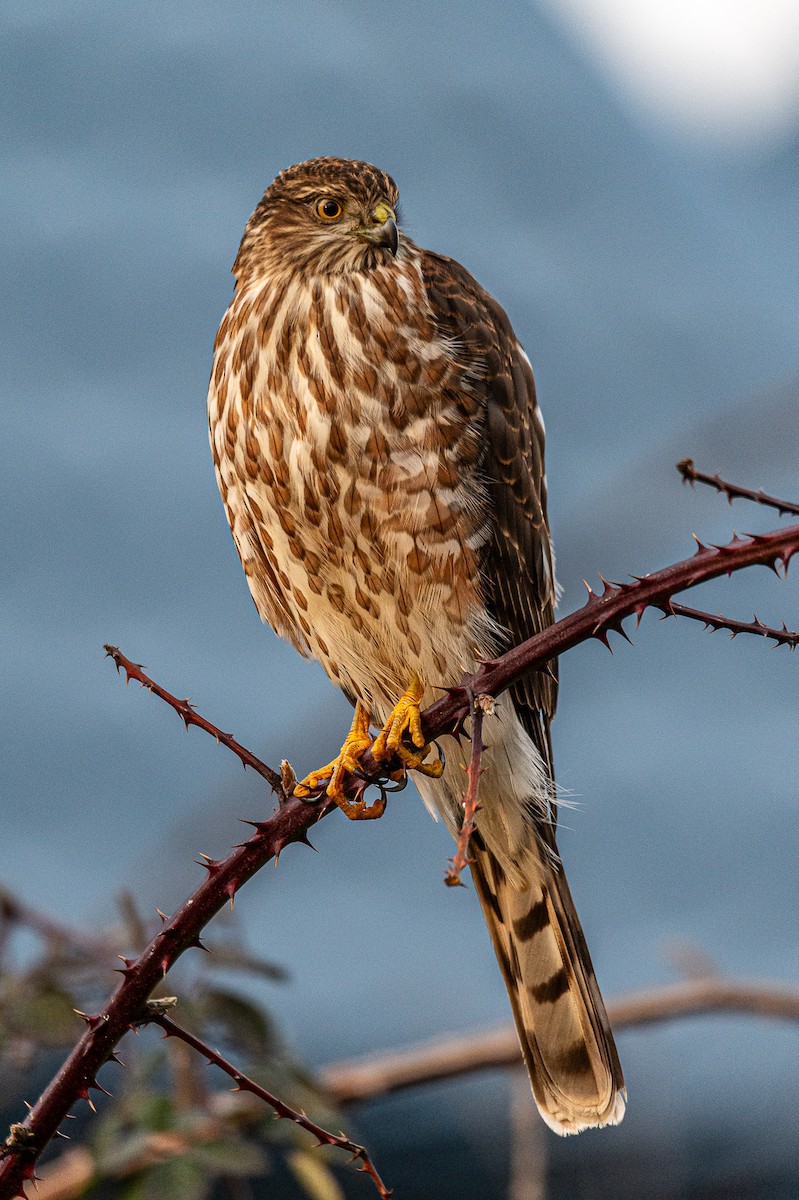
347	446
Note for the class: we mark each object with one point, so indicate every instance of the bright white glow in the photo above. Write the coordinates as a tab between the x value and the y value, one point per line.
728	68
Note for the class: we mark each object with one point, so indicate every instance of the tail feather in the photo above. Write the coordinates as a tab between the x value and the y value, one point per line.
563	1028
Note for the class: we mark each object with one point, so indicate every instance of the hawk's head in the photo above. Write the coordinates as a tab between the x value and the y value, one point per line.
324	216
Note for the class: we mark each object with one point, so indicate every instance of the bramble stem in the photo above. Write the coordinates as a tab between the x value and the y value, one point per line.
733	491
782	637
460	859
245	1084
189	716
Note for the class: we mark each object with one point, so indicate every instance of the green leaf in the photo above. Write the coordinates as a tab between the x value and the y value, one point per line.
231	1157
314	1176
176	1179
243	1023
156	1112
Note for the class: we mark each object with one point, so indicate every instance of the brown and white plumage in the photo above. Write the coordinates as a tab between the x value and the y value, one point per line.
380	455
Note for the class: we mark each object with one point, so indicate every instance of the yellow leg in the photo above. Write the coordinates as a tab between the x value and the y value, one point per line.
404	718
347	760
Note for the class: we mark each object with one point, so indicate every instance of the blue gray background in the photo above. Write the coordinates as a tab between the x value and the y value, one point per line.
653	279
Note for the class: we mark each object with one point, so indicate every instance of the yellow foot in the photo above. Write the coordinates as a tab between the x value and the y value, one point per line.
405	718
357	741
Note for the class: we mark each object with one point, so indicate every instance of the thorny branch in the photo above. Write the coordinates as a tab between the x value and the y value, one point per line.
733	491
186	711
245	1084
715	621
460	859
125	1008
606	612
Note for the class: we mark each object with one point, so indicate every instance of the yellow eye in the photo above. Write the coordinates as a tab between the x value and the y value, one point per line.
328	210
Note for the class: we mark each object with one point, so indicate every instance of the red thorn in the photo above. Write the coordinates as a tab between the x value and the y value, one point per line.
211	865
258	826
165	964
83	1094
197	944
639	611
621	630
163	916
91	1019
601	635
609	587
700	547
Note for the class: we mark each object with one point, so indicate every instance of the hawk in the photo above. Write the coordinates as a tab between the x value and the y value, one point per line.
380	456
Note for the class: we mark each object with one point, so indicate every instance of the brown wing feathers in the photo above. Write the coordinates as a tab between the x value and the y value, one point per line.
560	1017
517	563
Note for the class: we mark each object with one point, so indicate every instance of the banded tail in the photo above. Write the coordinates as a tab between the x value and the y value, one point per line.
560	1017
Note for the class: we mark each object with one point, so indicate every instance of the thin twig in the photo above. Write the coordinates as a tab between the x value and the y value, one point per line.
381	1074
245	1084
189	716
460	860
733	490
294	817
783	637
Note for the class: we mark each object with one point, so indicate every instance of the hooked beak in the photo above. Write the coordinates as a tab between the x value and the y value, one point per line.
386	235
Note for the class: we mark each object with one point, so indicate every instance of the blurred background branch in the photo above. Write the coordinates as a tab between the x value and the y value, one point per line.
380	1074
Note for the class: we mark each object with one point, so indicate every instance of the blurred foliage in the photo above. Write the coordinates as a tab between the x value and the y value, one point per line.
173	1129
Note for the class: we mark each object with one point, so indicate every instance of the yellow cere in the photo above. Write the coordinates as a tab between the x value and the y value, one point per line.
382	213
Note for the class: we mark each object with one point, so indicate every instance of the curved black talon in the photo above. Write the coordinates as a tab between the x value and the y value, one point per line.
385	790
320	795
399	785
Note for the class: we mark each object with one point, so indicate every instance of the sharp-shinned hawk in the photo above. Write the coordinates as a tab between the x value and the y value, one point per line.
380	455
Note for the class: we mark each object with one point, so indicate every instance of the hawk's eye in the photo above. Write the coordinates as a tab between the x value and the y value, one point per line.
328	210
